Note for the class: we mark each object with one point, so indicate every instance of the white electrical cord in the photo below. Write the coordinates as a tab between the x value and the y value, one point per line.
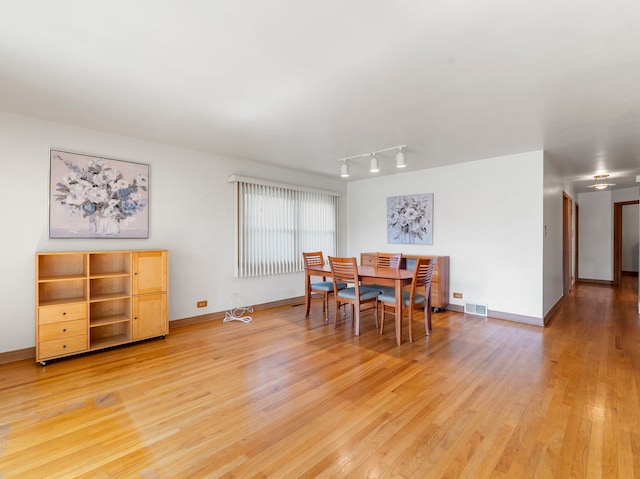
238	313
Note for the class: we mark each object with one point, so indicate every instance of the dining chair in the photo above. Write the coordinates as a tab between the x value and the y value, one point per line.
412	299
324	287
386	260
346	270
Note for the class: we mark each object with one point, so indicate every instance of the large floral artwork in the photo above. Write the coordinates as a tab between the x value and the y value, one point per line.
410	219
94	197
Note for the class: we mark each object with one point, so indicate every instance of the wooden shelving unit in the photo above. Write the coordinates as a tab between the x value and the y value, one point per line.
87	301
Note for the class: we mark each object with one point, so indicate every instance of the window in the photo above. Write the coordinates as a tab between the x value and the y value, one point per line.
276	223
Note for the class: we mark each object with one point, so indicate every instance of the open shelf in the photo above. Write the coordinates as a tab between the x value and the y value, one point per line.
58	292
108	297
61	265
59	302
109	341
109	263
110	287
68	277
110	275
116	318
109	334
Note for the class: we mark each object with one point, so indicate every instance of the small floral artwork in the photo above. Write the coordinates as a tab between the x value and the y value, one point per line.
410	219
95	197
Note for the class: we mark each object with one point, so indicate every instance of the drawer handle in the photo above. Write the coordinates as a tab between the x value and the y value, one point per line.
63	313
64	346
64	330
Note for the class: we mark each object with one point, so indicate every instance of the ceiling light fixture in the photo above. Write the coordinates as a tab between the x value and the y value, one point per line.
601	182
344	169
400	158
374	160
374	164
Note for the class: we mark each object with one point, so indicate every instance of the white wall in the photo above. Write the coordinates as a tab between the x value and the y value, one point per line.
191	214
630	227
595	254
553	280
488	217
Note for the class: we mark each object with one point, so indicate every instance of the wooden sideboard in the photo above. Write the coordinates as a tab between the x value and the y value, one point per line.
439	281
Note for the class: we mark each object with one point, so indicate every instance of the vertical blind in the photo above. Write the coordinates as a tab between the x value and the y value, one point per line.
277	223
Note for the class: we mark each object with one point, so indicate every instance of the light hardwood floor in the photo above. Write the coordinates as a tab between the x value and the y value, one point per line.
289	397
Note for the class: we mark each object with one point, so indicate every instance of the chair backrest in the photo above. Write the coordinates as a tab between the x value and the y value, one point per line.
422	275
313	259
344	270
388	260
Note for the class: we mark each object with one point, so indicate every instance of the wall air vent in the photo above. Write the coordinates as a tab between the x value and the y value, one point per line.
475	308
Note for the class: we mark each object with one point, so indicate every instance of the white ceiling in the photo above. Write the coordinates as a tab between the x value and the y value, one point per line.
304	83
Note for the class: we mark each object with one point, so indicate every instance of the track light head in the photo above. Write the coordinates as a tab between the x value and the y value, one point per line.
344	169
374	164
400	159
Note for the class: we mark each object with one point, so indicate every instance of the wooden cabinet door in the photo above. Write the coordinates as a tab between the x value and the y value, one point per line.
149	272
149	316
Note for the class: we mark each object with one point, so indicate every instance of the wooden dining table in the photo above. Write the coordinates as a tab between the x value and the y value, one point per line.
398	278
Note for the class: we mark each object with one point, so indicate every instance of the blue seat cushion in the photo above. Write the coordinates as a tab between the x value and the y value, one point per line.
381	288
372	287
391	298
350	293
327	286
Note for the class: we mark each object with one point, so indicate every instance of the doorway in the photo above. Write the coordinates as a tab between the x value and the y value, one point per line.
625	255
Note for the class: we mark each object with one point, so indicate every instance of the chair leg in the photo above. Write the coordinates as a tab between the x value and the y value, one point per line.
357	319
410	324
376	312
335	310
383	315
325	306
427	319
307	301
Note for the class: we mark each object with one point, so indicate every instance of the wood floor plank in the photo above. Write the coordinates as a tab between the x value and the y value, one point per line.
291	397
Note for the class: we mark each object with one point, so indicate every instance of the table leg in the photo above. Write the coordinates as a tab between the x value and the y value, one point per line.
307	293
398	290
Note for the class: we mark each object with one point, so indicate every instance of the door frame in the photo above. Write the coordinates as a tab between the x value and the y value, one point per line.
567	257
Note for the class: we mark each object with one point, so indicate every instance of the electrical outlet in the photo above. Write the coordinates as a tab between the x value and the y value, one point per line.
457	295
201	304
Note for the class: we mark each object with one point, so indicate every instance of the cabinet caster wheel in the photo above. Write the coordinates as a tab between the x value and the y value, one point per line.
43	363
164	336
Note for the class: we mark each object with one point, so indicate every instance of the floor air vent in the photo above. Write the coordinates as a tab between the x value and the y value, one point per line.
474	308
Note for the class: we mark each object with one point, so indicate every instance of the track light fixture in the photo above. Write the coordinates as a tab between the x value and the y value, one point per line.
601	182
374	160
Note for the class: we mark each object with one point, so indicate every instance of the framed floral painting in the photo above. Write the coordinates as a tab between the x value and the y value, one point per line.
93	197
410	219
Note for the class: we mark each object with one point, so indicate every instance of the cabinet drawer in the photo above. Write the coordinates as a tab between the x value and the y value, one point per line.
62	329
64	346
62	312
